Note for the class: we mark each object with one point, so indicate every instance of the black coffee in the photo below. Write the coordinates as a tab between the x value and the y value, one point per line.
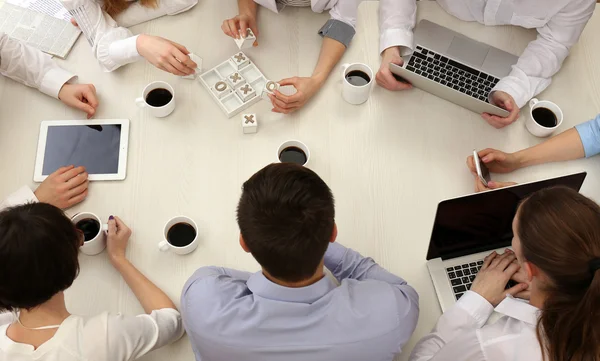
159	97
357	78
181	234
90	228
544	117
292	155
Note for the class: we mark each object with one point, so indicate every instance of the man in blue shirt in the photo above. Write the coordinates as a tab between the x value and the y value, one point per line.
581	141
291	310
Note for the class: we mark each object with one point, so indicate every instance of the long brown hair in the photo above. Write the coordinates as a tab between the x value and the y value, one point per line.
559	231
115	7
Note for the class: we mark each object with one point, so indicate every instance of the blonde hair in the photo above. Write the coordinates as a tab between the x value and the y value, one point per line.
115	7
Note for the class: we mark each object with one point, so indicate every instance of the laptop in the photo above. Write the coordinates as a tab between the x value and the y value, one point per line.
454	67
468	228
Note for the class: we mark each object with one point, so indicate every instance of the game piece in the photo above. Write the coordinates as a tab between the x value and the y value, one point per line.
231	100
249	123
221	89
287	90
198	60
240	60
248	41
269	88
246	92
236	80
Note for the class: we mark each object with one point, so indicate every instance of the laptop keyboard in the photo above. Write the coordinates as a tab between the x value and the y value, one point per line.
452	74
462	276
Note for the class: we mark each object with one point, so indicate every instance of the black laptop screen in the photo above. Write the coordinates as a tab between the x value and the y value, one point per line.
483	221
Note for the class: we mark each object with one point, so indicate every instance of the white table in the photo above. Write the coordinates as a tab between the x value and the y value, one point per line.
389	161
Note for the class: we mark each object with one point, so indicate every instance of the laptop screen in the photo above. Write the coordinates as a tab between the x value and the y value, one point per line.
483	221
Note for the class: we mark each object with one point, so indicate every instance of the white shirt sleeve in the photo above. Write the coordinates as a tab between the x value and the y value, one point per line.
6	318
112	43
31	67
21	196
455	335
131	337
396	22
544	56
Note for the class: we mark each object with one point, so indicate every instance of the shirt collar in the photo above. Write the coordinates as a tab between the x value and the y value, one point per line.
263	287
518	309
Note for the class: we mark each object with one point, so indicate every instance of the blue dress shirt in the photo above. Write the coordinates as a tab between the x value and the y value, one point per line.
590	136
231	315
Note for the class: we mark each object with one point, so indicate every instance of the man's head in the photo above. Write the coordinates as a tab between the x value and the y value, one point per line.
286	217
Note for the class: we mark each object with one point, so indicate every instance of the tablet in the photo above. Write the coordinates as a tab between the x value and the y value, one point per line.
100	145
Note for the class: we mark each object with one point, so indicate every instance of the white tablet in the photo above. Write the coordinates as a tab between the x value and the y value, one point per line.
100	145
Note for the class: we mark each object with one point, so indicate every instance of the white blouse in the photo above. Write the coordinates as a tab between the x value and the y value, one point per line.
462	334
112	43
104	337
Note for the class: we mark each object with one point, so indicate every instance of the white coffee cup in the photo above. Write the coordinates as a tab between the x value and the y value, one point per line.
158	112
96	244
293	143
537	129
356	94
165	246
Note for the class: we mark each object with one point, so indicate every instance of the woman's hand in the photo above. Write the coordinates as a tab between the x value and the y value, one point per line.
495	273
116	242
166	55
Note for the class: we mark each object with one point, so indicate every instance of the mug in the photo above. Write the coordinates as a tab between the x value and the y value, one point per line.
356	94
159	112
537	129
96	244
165	246
296	144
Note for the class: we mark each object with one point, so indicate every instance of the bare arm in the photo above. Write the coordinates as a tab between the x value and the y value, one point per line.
248	7
151	297
331	53
565	146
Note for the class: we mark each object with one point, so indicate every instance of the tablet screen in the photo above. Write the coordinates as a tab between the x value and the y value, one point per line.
96	147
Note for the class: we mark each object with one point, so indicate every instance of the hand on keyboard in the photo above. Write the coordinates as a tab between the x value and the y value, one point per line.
384	77
504	101
495	273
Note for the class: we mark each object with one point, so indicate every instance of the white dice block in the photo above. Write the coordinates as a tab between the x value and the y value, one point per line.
236	80
198	60
221	88
269	88
240	60
246	92
249	123
248	41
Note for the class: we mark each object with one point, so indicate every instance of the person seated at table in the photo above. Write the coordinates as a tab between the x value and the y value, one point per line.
337	34
39	246
35	69
578	142
64	188
559	24
556	258
105	22
291	310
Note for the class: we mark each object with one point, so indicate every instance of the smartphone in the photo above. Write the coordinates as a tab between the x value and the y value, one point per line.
482	171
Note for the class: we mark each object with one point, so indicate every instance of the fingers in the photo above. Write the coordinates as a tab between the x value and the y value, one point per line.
112	226
288	81
181	48
243	28
77	199
496	185
255	31
178	62
77	180
66	176
488	260
74	22
122	227
489	155
233	28
518	289
471	165
281	104
89	94
171	69
62	170
78	189
495	121
506	259
289	99
479	186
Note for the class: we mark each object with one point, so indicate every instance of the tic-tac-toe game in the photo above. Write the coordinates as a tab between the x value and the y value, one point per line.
235	84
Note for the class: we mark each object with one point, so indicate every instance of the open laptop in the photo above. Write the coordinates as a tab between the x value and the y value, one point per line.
468	228
454	67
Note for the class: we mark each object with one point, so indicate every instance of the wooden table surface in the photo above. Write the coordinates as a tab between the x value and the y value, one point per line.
388	161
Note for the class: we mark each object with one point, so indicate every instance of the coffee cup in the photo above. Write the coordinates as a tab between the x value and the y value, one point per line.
293	151
544	118
180	235
94	232
357	81
159	97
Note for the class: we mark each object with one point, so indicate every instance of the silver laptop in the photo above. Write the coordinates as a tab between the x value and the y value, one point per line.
454	67
468	228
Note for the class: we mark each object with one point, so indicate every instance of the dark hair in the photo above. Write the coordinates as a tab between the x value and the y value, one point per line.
38	255
116	7
559	231
286	217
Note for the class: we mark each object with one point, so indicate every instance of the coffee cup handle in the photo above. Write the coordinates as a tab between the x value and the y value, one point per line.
344	67
105	227
140	102
533	102
163	246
